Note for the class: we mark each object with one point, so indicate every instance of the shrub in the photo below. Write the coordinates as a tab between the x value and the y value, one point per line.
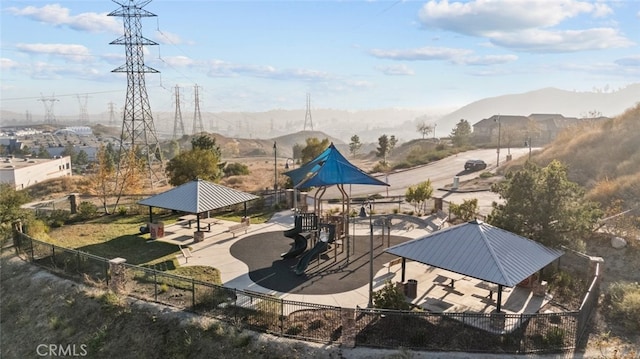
465	211
236	169
390	297
625	303
87	210
58	217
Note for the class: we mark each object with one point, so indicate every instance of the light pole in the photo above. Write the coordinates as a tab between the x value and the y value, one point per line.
363	213
275	170
499	135
295	195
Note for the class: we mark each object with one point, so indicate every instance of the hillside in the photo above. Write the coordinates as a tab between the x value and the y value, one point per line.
548	100
603	157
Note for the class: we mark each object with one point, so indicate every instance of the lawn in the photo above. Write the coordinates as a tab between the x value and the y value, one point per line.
119	236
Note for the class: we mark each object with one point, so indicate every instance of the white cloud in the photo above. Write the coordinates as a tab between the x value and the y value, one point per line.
76	53
396	70
57	15
633	61
488	60
524	25
562	41
178	61
218	68
164	37
6	64
424	53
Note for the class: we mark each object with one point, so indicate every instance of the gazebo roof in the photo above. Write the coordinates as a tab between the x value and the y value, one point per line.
479	250
330	168
197	196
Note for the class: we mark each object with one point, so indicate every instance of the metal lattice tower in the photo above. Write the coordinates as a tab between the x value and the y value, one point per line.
48	102
198	126
138	137
84	114
112	114
307	116
178	124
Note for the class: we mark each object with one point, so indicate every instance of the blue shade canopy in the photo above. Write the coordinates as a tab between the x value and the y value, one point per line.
330	168
479	250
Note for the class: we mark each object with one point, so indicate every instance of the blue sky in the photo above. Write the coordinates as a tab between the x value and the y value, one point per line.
352	55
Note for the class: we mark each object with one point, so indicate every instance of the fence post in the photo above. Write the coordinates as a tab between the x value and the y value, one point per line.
117	269
155	284
348	317
193	295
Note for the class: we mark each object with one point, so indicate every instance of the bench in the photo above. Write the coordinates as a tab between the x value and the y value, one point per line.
237	228
392	263
186	253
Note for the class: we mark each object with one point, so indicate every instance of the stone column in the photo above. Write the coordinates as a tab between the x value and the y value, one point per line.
118	278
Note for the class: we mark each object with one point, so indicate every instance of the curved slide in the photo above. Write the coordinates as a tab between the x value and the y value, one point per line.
299	240
303	263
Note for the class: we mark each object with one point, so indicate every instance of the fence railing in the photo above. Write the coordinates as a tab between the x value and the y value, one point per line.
465	332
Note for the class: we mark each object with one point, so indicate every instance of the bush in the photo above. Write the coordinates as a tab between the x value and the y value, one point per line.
236	169
390	297
87	210
58	217
625	303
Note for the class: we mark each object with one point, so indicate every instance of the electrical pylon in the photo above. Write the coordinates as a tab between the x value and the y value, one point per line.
112	114
84	114
198	126
307	116
177	123
48	102
138	139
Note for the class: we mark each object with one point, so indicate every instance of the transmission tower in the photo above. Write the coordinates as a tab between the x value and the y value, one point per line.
48	102
178	117
138	139
112	114
307	116
198	126
84	114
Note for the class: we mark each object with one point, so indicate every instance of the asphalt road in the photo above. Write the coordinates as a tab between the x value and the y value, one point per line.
441	173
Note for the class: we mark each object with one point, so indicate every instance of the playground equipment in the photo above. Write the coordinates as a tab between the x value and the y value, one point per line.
304	225
327	235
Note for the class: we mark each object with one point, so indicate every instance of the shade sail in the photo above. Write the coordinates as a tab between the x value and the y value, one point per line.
330	168
479	250
197	196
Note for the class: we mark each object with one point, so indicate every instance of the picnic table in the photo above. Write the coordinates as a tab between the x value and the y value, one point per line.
194	218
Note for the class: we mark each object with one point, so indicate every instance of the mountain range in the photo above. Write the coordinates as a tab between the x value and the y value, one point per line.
369	125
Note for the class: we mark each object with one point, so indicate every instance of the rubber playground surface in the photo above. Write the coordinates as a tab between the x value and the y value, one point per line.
329	274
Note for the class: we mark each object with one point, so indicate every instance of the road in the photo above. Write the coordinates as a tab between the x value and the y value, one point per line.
441	173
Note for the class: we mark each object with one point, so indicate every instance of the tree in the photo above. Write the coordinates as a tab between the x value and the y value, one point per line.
461	133
542	204
466	211
101	182
195	164
355	145
69	150
82	158
383	148
204	142
418	195
43	153
424	129
297	151
314	148
129	179
11	202
390	297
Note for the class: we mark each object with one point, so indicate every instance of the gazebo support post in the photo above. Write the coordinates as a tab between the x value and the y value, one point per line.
245	209
499	304
150	214
404	268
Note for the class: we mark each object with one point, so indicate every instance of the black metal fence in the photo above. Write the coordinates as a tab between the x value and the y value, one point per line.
465	332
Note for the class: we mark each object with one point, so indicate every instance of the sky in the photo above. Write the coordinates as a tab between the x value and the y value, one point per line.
352	55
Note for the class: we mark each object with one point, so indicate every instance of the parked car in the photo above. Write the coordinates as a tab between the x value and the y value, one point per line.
475	165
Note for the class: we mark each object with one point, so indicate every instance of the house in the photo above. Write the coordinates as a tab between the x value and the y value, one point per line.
24	172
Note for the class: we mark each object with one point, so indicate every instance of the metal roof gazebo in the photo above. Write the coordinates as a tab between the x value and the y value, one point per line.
196	197
479	250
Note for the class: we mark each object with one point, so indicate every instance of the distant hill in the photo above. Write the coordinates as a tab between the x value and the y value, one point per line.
548	100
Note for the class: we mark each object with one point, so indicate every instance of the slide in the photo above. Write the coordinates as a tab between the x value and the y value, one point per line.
303	263
327	234
299	239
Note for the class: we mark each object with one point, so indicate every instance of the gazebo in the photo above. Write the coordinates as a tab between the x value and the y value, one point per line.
197	197
479	250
